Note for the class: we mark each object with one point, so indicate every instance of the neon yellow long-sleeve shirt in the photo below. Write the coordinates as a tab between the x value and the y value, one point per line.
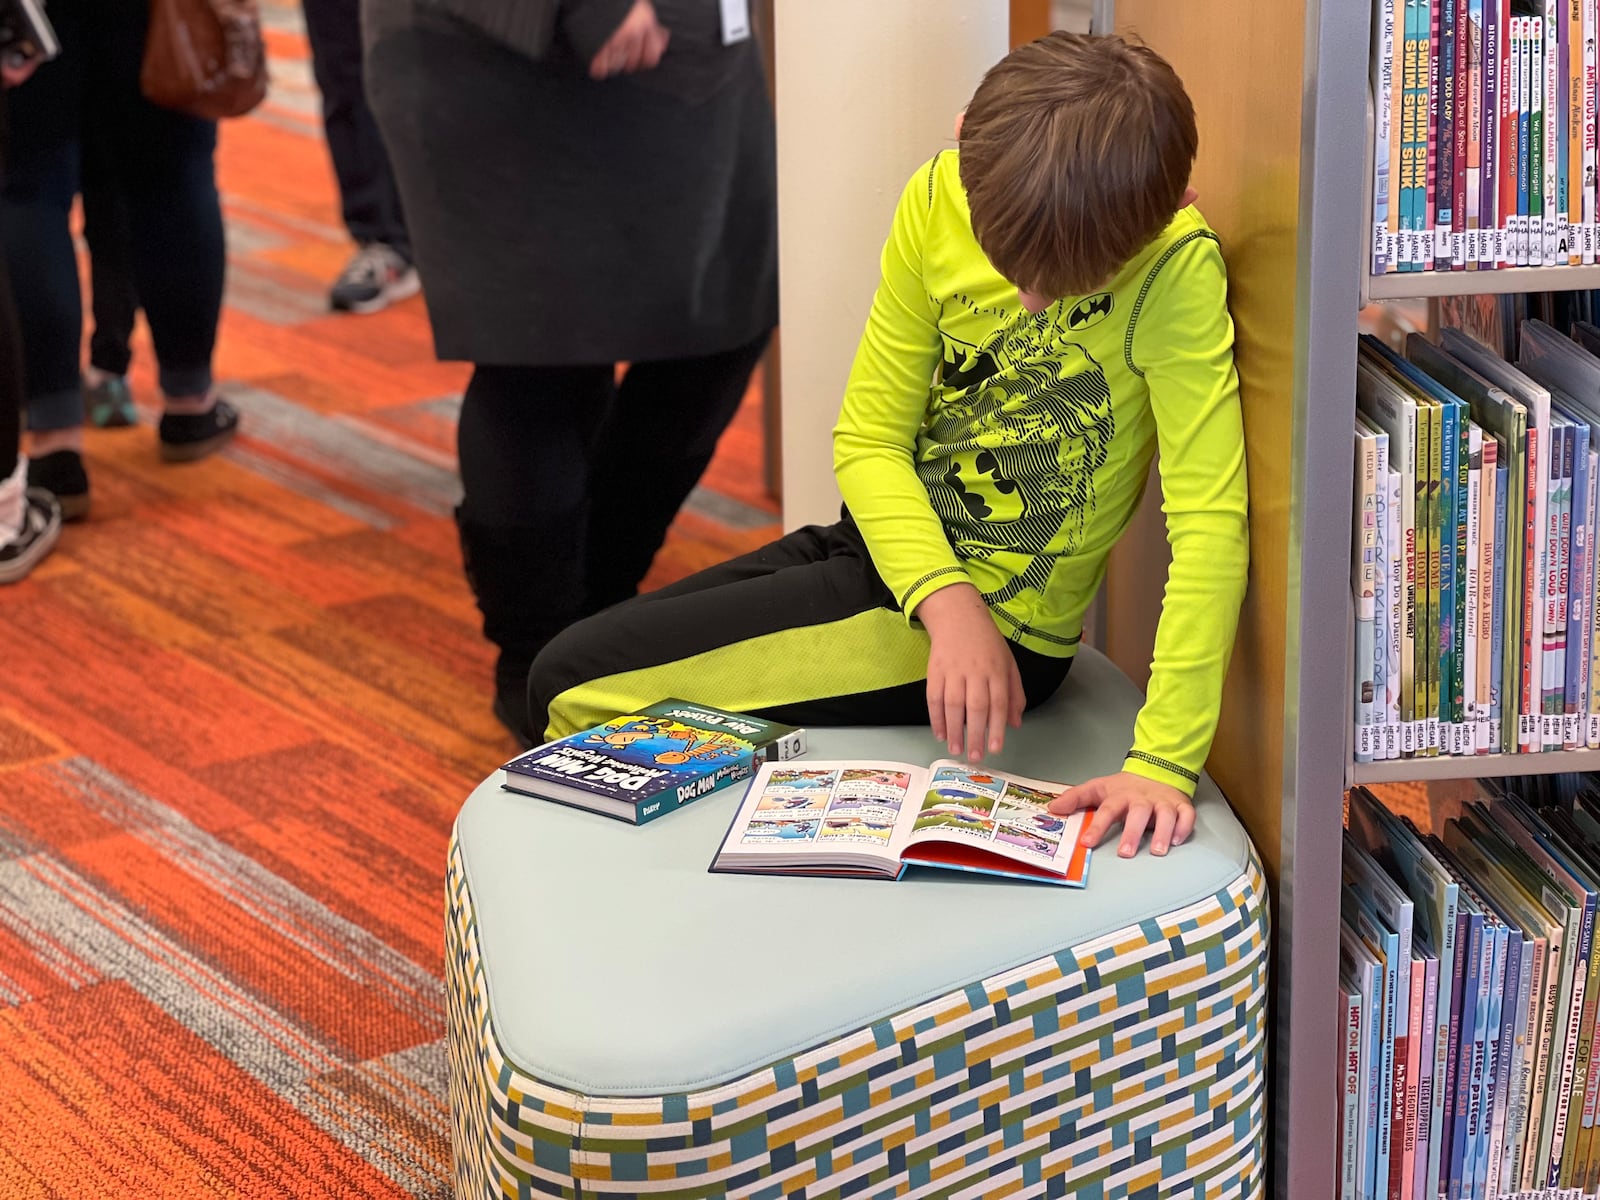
1021	464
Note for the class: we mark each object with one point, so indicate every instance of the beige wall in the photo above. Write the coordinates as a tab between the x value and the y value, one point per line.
866	91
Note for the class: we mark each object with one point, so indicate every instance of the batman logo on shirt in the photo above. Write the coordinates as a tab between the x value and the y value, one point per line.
1091	310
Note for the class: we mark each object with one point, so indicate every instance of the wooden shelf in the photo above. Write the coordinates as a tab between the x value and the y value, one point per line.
1410	285
1410	770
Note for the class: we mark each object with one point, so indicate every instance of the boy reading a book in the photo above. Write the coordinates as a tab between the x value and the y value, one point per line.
1068	304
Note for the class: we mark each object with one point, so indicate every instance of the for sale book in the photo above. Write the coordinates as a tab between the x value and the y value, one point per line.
877	819
643	765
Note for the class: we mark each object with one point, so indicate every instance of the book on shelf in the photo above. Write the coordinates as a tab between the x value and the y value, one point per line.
879	819
640	766
1474	564
1483	134
1470	995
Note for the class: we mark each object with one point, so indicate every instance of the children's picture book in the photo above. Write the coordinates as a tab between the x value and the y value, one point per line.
878	819
641	766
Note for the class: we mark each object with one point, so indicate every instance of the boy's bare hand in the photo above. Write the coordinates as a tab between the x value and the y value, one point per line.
636	45
1133	800
974	688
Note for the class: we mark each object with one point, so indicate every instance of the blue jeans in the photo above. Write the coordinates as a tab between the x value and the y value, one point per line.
163	164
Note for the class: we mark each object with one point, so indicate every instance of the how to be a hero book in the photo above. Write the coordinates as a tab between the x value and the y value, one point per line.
643	765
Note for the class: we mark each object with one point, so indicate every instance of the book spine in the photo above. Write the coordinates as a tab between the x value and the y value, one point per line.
1448	549
1444	176
1575	1051
1414	978
1383	66
1427	1082
1577	593
1461	121
1503	1005
1396	616
1364	564
1524	72
1350	1094
1411	460
1590	63
1474	99
1493	996
1552	567
1487	551
1532	588
1438	524
1383	602
1553	132
1473	592
1499	723
1572	117
1506	132
1437	235
1495	18
1536	143
1456	547
1591	677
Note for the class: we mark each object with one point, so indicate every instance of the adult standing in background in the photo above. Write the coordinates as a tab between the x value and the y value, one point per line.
380	273
163	165
587	182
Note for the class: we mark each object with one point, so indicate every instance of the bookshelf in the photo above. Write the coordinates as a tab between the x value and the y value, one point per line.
1416	285
1284	176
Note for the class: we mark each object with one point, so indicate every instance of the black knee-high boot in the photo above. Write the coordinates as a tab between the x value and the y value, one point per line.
526	580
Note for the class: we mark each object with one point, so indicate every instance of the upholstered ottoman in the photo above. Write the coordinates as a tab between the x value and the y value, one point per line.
622	1023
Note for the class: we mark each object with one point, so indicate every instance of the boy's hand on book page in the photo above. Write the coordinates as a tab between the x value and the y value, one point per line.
974	687
1133	800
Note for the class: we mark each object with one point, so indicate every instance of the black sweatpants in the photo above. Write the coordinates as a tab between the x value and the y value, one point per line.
802	631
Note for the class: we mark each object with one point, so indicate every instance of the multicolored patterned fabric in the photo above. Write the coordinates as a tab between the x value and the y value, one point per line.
1133	1065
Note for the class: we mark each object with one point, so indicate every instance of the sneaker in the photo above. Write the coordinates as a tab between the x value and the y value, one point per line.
41	526
186	437
110	403
374	279
61	474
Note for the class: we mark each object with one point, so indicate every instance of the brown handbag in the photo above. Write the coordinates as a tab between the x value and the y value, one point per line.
205	57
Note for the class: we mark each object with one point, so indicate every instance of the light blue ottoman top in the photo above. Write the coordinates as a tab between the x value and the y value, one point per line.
617	965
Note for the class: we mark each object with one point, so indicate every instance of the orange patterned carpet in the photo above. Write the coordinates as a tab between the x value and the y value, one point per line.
242	704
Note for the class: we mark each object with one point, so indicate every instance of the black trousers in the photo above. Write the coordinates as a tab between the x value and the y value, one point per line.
11	387
106	227
802	631
571	480
368	197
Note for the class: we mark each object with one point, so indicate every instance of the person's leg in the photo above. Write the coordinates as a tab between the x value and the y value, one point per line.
668	414
41	180
523	442
163	161
30	519
113	301
802	631
369	197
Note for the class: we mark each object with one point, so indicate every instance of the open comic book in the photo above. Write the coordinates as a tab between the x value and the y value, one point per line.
876	819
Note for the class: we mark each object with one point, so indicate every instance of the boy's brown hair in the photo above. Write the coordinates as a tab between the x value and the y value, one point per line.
1075	152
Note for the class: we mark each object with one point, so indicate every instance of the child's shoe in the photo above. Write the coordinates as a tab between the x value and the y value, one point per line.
109	401
61	474
21	550
186	437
